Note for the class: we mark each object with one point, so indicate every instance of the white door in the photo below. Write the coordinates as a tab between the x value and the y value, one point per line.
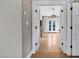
75	29
63	29
38	28
35	29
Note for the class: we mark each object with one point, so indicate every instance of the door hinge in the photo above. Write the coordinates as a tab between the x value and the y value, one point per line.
71	8
36	44
35	27
62	27
61	10
36	11
70	46
71	27
62	44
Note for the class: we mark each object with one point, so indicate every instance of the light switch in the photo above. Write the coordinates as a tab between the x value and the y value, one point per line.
27	23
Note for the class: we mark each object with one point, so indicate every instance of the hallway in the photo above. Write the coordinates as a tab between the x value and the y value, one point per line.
49	46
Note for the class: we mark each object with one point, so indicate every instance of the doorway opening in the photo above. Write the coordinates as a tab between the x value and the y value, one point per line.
50	20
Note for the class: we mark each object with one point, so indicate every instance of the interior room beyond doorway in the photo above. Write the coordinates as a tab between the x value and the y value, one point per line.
50	38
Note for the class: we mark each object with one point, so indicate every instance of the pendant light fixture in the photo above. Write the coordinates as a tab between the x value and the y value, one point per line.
53	16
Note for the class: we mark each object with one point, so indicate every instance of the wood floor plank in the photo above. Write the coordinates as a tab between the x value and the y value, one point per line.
49	47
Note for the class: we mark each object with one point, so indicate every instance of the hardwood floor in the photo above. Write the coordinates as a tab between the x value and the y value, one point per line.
49	47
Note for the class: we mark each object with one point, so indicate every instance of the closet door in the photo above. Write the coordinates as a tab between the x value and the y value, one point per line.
75	30
36	29
63	29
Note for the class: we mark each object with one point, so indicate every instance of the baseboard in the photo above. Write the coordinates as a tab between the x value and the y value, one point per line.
68	54
30	54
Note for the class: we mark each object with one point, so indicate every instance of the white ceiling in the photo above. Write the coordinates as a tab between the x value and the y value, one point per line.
48	11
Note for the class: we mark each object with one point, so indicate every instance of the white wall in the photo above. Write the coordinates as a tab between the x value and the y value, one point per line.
48	11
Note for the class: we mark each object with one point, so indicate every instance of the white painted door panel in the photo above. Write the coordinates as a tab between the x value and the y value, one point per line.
35	29
75	31
63	30
38	28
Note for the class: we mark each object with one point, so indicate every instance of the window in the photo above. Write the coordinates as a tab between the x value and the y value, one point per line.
54	26
49	25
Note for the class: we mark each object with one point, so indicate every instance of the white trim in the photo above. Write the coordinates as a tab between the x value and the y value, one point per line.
30	54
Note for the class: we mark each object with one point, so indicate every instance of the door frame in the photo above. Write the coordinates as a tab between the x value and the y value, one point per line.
74	20
43	3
